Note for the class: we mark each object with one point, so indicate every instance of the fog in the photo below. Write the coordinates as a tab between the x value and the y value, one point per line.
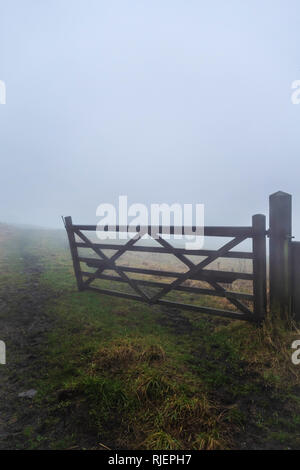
163	101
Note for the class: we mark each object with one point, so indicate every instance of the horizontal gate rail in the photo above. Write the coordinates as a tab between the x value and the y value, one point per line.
171	230
222	276
194	270
237	295
161	250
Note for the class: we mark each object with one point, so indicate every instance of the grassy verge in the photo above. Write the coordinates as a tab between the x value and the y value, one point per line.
124	375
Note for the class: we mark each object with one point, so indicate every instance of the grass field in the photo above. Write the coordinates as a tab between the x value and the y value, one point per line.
120	374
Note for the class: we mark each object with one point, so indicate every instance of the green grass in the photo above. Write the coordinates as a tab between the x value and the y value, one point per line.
132	376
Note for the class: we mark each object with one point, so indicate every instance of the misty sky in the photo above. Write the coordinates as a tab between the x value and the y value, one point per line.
161	100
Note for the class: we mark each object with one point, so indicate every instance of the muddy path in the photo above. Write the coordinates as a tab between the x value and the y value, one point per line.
24	325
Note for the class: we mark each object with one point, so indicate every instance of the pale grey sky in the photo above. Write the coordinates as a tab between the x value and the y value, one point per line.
164	101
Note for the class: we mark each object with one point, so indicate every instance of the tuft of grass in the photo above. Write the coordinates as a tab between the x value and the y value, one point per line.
209	441
125	352
153	385
181	409
161	440
153	353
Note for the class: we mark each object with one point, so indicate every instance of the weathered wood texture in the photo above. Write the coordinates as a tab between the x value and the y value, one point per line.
280	232
295	255
259	265
74	251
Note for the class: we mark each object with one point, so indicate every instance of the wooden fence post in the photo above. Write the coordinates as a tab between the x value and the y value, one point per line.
74	252
259	266
296	280
280	243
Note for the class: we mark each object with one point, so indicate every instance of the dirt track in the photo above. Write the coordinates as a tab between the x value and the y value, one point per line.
23	324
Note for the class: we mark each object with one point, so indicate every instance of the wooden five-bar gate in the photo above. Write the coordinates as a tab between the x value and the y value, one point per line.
283	277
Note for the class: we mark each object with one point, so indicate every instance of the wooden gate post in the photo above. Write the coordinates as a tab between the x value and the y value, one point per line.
74	253
280	243
296	280
259	266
